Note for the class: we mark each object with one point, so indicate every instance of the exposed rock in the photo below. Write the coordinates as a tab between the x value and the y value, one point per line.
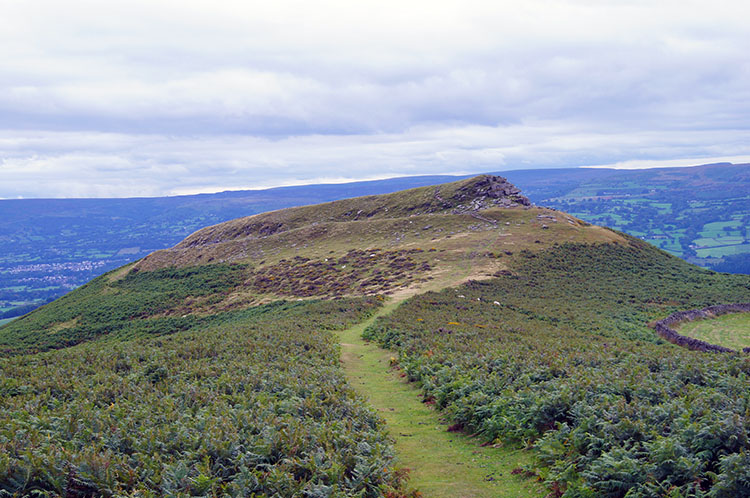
490	190
230	240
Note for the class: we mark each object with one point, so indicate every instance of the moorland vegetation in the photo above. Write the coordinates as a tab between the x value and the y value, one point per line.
212	369
557	356
50	246
255	404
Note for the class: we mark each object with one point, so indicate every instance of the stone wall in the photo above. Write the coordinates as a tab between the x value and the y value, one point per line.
663	327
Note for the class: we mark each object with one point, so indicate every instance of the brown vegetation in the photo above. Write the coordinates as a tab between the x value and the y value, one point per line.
357	272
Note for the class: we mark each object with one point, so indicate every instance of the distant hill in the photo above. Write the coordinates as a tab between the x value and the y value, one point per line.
219	366
49	246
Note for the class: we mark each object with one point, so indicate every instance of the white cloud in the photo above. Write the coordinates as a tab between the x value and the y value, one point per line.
105	165
269	93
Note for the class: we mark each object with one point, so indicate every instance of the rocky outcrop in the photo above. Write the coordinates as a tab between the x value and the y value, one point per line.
483	192
231	240
664	329
490	191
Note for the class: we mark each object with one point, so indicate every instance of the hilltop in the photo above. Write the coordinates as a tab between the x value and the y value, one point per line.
405	242
50	246
214	367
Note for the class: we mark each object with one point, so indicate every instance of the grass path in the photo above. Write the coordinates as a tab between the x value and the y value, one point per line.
441	463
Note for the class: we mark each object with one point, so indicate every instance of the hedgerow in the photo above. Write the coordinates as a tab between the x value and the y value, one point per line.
253	403
557	356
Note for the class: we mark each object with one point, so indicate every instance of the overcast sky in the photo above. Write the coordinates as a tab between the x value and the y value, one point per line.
143	98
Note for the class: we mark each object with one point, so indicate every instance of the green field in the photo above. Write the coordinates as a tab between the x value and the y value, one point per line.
718	241
705	221
3	321
718	252
732	331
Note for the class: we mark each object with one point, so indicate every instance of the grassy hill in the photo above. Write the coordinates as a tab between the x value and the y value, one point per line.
50	246
212	368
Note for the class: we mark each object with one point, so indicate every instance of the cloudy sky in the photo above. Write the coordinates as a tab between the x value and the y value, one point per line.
125	98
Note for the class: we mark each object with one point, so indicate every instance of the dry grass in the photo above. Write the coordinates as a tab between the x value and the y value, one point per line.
445	240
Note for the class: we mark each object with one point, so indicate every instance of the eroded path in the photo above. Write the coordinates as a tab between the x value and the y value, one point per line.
441	463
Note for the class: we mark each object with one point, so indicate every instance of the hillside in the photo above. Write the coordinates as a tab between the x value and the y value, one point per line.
401	242
50	246
213	368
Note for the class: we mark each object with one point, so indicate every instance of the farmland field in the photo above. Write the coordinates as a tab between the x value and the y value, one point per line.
731	331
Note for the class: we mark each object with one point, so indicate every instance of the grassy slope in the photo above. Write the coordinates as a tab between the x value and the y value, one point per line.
422	216
732	331
294	256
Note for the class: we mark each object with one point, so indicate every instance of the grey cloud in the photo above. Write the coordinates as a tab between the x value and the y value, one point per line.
269	93
128	165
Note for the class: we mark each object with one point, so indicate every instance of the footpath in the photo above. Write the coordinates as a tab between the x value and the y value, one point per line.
441	463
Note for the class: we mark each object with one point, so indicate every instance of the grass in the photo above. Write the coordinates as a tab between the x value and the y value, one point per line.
556	341
441	463
283	247
732	331
723	240
423	217
718	252
3	321
718	226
